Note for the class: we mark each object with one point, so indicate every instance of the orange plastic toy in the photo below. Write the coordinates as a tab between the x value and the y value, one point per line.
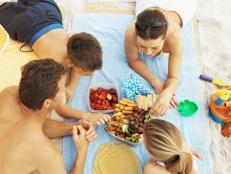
219	111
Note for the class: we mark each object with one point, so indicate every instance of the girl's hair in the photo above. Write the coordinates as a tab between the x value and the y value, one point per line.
164	142
151	24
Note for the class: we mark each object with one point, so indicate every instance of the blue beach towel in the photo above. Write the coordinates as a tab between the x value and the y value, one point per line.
109	30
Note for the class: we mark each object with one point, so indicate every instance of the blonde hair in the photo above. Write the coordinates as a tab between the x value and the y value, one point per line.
164	142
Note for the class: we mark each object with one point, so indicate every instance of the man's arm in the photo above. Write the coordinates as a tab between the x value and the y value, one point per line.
49	160
57	129
81	144
136	63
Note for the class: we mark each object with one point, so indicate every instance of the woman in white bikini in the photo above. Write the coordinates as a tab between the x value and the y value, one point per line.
158	28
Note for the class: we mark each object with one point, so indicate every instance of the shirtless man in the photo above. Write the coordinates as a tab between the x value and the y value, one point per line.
38	23
23	111
158	30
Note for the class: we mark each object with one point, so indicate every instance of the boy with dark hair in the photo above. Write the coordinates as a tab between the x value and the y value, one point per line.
38	23
23	114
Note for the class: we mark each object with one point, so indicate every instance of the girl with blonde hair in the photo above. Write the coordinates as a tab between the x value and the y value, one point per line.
169	153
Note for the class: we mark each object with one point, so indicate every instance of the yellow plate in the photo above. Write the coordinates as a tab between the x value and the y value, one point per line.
116	158
4	39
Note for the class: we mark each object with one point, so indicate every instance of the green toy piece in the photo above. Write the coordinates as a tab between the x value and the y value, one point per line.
187	108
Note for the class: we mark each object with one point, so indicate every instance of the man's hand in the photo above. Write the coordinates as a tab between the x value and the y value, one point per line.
96	118
79	138
90	129
162	103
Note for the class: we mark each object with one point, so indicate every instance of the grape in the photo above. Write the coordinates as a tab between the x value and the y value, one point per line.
140	130
135	114
135	109
139	110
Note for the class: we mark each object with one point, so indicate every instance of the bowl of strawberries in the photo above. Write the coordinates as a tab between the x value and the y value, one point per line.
102	98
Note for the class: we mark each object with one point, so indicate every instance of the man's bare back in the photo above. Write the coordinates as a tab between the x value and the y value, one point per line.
20	135
24	145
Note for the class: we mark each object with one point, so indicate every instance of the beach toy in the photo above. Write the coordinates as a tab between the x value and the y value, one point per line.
226	129
219	108
4	39
214	81
224	94
187	108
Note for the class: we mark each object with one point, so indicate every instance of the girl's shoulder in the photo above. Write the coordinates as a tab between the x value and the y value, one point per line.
153	167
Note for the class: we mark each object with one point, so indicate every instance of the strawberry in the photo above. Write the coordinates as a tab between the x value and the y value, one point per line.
93	96
93	105
104	102
109	108
92	90
112	91
114	99
104	107
102	97
113	105
100	89
107	103
104	93
97	101
98	107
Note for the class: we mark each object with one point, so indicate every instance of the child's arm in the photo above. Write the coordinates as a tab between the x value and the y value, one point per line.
73	81
136	63
69	112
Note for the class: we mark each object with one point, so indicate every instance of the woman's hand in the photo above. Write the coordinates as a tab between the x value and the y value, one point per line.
162	103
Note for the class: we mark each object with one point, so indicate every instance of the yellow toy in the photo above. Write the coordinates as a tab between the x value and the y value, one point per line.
214	81
224	94
4	39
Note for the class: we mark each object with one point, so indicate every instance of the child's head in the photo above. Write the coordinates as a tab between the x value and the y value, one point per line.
85	52
151	29
165	144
